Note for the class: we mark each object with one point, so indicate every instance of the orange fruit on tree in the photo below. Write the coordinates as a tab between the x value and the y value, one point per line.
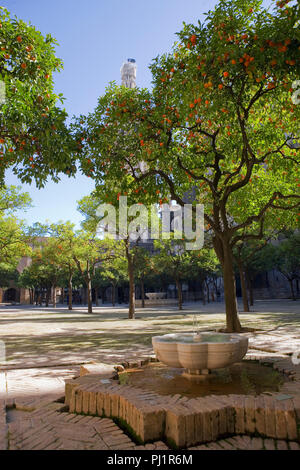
193	39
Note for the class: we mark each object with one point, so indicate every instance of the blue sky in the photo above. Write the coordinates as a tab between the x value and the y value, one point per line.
95	37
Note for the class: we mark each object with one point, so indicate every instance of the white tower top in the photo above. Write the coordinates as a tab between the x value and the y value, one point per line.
128	73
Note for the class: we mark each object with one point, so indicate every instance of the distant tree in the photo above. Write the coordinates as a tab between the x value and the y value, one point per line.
115	271
29	281
14	240
38	279
205	268
99	282
64	235
127	243
249	257
88	253
12	199
46	258
173	260
7	274
142	269
287	259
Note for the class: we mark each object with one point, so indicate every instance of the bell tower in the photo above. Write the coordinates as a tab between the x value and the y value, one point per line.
128	73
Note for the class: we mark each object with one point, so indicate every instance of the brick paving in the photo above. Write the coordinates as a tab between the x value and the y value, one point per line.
36	337
248	443
49	428
45	347
190	421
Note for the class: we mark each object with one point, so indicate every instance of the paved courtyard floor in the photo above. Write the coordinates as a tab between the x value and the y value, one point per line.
44	346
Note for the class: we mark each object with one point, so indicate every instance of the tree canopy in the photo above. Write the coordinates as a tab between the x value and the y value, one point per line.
220	122
34	139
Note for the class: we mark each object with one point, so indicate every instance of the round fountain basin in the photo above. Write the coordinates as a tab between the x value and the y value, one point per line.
201	352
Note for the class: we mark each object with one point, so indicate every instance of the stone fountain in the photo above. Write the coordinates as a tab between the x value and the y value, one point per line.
156	295
199	353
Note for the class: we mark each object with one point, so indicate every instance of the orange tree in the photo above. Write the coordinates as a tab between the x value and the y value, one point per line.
67	252
221	119
126	238
34	140
63	236
45	269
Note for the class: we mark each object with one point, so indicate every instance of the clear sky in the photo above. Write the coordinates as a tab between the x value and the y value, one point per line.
95	37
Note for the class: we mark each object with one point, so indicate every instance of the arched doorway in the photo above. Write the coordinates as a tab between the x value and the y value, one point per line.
10	295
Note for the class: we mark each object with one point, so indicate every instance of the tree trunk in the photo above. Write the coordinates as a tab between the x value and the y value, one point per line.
131	291
179	293
31	296
224	253
48	293
63	295
89	294
143	292
232	319
131	312
54	296
203	293
243	287
292	289
207	291
250	287
70	291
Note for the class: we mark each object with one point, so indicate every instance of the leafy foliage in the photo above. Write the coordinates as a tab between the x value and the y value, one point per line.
219	123
34	139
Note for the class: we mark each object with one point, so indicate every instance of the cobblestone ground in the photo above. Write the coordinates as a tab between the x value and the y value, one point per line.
46	346
48	428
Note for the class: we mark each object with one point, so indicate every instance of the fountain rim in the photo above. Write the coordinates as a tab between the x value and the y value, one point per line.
232	338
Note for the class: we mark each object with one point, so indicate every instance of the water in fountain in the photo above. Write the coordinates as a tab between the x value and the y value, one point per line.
247	377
